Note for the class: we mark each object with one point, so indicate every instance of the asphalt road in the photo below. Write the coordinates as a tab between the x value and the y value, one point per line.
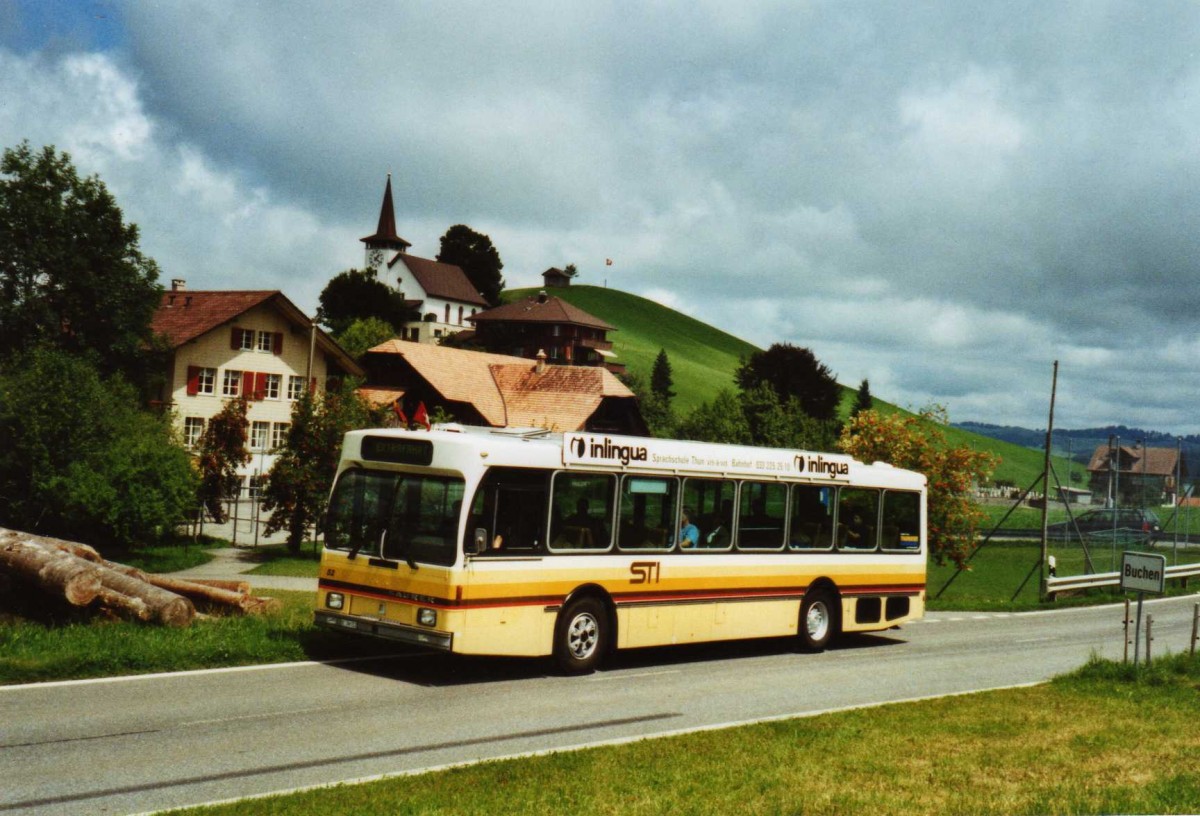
132	745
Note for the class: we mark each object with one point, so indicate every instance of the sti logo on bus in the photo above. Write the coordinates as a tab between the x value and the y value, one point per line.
818	464
607	450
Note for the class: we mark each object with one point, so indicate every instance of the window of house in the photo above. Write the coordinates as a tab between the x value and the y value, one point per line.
279	432
259	433
231	384
271	386
193	429
245	339
295	387
266	341
206	381
460	315
447	320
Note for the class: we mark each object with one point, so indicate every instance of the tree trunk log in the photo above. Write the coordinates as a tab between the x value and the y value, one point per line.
165	607
50	569
199	592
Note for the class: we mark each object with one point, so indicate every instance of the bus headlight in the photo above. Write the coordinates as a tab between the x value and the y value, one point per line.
335	600
427	617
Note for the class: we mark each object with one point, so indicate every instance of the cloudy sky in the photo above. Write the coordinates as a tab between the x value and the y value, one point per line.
941	197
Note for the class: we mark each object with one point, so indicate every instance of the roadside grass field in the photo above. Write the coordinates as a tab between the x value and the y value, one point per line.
36	652
278	560
1080	744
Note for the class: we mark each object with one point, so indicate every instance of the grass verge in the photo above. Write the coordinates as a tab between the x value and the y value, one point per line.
34	652
1081	744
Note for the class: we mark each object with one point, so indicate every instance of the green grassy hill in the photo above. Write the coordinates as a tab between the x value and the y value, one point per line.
704	359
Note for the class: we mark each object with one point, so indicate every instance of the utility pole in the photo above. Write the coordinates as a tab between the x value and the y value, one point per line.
1046	484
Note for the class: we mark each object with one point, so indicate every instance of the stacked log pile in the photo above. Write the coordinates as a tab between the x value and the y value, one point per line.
80	576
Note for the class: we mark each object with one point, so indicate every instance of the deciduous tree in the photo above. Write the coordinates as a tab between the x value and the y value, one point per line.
222	452
79	460
793	372
72	274
357	294
919	443
299	483
474	253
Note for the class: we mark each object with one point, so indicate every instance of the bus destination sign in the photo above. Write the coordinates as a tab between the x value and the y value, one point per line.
669	454
397	451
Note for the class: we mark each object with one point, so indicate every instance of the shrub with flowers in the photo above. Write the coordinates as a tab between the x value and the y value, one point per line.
917	442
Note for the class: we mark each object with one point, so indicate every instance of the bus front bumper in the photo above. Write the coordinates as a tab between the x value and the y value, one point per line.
385	629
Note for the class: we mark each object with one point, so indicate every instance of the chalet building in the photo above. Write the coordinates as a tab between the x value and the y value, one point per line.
439	295
478	388
543	323
1142	475
255	345
555	278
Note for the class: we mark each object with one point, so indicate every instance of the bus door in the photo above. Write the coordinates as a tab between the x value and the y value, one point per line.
510	508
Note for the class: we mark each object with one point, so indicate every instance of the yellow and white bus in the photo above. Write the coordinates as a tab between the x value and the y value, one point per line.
525	542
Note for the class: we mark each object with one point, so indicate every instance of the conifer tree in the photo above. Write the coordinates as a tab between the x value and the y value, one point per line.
863	401
660	378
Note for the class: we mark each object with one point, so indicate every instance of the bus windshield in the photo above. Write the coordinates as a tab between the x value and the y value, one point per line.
396	516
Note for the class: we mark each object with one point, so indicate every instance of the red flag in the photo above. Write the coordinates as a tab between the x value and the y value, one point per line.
400	413
422	418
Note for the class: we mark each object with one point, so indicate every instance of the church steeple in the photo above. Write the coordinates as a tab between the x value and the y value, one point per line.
385	236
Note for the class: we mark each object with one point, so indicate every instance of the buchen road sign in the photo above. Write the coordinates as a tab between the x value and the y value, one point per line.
1143	572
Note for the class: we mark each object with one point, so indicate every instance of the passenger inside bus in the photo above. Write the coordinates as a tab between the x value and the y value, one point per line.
718	537
689	534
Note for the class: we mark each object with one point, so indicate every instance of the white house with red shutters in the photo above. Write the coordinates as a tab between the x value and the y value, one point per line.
255	345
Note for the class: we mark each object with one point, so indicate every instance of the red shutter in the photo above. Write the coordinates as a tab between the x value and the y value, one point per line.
277	345
248	385
235	338
193	381
260	386
312	386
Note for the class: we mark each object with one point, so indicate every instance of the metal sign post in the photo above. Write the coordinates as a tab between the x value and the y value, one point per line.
1141	573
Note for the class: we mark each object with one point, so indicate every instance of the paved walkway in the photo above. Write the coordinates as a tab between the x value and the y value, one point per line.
234	564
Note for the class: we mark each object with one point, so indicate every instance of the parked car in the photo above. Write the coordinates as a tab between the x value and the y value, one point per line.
1132	524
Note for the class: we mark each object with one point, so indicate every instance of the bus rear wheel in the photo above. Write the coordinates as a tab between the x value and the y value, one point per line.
581	636
819	619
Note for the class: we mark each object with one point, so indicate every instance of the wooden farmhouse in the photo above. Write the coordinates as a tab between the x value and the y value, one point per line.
479	388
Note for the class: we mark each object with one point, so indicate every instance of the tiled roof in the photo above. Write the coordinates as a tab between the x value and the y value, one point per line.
1136	460
381	396
508	391
184	315
441	280
542	309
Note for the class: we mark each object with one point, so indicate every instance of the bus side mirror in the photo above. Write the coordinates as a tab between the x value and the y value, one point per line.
479	542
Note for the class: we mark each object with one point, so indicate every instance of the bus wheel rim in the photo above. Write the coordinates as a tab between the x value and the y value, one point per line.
582	636
817	620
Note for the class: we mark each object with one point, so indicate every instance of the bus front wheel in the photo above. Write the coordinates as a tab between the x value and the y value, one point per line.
581	636
819	622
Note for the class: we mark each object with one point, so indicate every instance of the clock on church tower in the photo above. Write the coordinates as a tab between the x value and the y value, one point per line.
374	257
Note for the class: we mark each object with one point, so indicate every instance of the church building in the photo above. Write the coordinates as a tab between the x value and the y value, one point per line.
441	294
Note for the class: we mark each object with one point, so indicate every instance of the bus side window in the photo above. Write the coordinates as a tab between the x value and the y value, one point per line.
581	511
812	518
648	507
901	526
858	519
